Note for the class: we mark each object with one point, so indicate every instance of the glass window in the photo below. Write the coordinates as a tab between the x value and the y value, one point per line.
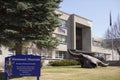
63	23
61	38
59	54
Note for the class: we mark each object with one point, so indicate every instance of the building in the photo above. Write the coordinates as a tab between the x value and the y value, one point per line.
74	33
101	51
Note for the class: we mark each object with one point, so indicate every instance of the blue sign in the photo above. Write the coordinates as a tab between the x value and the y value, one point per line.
23	65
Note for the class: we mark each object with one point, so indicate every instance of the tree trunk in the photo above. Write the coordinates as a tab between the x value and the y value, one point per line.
18	47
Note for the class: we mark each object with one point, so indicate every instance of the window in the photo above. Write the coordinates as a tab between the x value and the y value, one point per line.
61	38
63	23
30	51
59	54
96	43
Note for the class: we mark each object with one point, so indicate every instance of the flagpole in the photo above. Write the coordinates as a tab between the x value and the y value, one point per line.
112	48
111	34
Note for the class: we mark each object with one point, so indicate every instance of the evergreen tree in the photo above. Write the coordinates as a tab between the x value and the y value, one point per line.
22	21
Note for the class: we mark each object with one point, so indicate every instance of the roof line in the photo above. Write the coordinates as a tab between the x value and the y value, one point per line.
63	12
82	17
75	15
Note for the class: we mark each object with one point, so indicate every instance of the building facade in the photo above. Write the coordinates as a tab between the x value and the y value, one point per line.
74	33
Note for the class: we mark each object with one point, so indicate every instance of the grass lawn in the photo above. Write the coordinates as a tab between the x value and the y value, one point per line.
76	73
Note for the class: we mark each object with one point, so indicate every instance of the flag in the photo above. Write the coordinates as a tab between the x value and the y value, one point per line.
110	19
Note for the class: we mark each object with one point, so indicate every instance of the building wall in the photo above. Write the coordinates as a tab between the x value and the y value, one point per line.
85	24
4	53
87	39
71	32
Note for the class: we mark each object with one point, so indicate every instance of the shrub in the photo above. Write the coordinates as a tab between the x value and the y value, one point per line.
63	63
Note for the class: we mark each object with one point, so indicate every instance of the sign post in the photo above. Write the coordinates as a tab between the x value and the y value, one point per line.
37	77
22	65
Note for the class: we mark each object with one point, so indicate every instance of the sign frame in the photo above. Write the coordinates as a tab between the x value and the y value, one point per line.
22	65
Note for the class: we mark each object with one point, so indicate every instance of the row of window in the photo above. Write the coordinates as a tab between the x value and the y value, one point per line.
60	54
61	38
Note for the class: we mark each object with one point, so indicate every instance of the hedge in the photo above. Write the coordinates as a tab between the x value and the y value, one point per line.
63	63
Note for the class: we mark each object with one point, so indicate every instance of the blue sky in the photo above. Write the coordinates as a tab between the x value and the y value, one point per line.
96	10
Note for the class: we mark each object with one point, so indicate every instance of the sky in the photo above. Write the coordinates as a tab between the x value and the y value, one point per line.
96	10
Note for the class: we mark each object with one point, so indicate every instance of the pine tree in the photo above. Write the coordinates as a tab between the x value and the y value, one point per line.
28	20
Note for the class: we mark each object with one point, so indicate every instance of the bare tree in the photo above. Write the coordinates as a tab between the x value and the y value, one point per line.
112	36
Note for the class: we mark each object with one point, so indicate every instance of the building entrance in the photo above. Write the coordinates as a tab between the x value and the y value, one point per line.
78	38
